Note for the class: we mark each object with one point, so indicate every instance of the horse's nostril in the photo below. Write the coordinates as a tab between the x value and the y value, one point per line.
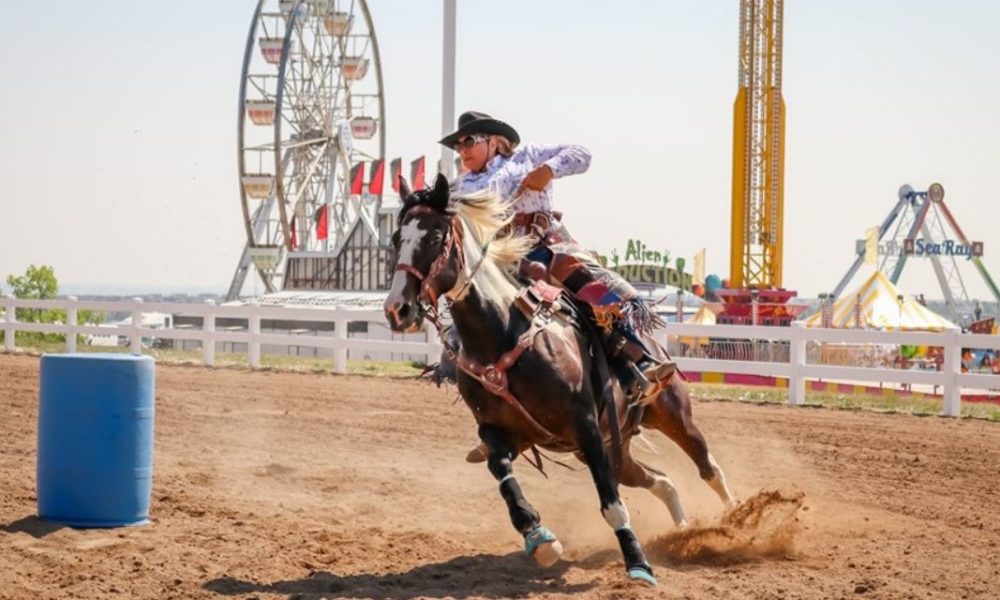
403	312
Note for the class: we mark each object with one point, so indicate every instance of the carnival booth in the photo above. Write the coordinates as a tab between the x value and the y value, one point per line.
877	304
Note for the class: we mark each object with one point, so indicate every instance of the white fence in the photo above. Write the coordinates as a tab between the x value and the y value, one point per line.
209	335
795	368
950	378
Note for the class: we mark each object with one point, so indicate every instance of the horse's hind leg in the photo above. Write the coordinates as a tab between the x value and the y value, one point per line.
636	474
612	508
671	414
539	542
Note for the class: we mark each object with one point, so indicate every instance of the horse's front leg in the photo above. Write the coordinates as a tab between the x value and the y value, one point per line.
612	508
539	542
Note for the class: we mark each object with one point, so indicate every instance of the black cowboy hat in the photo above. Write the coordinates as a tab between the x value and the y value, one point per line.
476	122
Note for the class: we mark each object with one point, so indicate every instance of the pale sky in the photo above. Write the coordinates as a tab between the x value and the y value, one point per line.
118	124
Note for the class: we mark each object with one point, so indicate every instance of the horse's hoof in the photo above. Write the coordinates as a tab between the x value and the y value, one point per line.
542	545
641	575
548	554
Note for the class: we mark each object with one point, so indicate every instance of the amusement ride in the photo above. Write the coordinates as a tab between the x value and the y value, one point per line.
311	114
754	294
920	224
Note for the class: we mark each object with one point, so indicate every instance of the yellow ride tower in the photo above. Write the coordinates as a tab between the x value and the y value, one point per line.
758	150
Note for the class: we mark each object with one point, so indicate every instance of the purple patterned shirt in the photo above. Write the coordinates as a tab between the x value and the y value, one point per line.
506	174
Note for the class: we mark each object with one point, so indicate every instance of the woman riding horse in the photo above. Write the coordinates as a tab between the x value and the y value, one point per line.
528	375
522	176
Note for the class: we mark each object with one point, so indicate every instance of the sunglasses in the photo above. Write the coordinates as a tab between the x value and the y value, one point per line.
470	141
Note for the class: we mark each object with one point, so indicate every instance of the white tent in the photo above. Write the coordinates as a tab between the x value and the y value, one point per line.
882	307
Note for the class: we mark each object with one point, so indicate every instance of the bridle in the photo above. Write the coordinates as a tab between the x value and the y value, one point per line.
428	296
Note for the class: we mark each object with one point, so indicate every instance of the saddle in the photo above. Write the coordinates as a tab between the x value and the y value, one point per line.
532	223
540	298
539	302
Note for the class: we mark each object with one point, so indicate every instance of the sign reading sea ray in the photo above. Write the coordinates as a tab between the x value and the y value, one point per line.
923	247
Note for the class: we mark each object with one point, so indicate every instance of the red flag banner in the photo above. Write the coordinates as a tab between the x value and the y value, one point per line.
295	237
322	222
357	179
395	171
377	177
417	174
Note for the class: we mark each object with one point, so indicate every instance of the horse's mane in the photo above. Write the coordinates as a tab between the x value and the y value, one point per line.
483	214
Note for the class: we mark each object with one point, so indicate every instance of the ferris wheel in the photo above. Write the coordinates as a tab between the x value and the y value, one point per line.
311	107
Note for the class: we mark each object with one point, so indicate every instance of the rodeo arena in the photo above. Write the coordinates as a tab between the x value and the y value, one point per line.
391	402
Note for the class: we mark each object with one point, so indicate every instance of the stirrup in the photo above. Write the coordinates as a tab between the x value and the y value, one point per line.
654	378
478	454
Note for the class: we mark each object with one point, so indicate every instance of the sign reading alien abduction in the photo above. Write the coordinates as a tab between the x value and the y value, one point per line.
642	265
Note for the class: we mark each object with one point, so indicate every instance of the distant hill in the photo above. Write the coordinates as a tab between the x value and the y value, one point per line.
168	297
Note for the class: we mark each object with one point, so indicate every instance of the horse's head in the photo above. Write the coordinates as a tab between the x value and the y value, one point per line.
429	255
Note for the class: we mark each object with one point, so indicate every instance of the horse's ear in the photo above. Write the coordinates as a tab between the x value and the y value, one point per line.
440	193
404	189
441	184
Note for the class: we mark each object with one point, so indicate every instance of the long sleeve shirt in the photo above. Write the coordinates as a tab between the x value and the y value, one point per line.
507	173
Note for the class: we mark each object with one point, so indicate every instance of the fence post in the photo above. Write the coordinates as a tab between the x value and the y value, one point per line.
951	368
340	350
8	340
136	337
253	348
662	336
796	361
208	335
435	343
71	324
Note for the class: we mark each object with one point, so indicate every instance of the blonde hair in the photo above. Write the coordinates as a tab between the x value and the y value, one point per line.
504	146
483	214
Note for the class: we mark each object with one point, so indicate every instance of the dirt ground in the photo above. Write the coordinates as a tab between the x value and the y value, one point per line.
290	485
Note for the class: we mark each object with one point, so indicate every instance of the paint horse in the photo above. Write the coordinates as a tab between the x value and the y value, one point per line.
530	380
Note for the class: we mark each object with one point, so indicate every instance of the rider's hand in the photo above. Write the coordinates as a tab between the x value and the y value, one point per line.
535	180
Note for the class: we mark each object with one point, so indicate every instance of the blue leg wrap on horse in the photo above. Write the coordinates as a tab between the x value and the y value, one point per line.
637	569
642	575
537	536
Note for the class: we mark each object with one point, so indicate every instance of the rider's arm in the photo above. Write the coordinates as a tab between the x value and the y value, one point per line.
563	159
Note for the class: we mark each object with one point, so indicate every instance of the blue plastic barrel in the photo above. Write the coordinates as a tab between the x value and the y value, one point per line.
95	439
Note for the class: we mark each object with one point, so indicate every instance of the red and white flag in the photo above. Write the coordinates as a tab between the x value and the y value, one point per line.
417	174
377	177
